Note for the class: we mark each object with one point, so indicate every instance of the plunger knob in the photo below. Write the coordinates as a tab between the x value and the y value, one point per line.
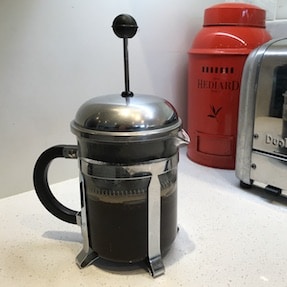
125	26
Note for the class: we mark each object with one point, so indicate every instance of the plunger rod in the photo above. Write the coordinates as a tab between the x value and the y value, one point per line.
127	92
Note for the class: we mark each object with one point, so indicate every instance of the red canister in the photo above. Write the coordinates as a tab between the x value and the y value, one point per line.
216	59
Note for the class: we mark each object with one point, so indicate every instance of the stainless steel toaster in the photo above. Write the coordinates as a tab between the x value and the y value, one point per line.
261	156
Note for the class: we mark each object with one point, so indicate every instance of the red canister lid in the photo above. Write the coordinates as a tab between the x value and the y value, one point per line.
234	14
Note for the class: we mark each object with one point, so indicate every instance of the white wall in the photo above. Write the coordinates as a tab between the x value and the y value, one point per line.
54	55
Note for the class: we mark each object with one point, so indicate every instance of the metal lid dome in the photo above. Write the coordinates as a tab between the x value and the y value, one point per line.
112	116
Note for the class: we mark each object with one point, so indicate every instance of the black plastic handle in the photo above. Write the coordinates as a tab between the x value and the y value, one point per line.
41	183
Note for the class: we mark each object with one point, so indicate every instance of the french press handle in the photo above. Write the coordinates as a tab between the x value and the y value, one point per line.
41	185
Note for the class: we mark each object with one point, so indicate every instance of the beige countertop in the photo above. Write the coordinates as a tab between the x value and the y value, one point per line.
227	237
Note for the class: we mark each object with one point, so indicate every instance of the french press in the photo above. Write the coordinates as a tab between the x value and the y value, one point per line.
128	155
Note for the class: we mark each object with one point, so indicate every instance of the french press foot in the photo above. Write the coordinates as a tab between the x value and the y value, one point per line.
87	255
155	266
86	258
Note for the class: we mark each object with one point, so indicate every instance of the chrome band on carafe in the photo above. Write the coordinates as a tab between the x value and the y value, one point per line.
153	173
